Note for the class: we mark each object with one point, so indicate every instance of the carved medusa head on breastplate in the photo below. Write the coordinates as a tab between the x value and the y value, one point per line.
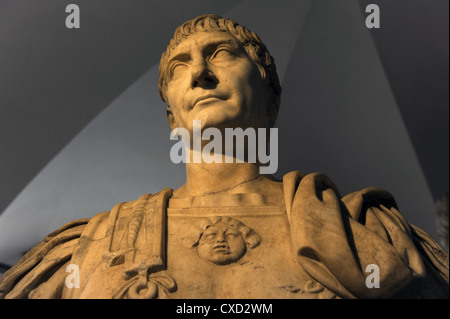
222	240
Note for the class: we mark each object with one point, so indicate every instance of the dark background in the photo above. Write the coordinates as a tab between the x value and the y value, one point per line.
82	126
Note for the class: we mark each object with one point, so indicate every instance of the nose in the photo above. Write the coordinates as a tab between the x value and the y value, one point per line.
220	238
202	75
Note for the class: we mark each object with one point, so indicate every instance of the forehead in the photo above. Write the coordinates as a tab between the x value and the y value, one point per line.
215	226
202	40
220	226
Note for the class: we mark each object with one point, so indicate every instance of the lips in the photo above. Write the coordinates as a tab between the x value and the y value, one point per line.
222	248
204	97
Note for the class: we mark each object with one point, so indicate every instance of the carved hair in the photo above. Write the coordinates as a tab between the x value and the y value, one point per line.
253	45
251	238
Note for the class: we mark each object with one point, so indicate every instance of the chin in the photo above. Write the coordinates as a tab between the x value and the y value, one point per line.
217	117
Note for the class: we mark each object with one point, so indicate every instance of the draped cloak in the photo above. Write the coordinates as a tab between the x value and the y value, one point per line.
334	239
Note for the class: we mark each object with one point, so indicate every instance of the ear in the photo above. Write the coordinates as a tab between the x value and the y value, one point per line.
171	118
262	71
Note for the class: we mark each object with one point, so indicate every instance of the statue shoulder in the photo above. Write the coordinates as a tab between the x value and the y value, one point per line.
41	272
136	230
362	228
114	221
45	260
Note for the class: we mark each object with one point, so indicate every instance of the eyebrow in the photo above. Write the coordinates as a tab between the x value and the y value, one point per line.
185	56
232	230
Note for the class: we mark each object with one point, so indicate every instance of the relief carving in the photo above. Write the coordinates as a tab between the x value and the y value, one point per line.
222	240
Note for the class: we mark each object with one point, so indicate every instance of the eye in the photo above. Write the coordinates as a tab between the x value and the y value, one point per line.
223	54
177	69
232	234
210	235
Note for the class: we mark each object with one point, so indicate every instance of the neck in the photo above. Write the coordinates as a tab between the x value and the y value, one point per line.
208	178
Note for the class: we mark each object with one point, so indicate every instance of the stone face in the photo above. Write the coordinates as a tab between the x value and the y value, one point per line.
230	232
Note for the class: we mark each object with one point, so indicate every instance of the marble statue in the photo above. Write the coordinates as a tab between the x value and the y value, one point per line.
230	231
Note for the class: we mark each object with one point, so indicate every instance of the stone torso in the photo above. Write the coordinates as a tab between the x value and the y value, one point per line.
265	271
262	242
220	246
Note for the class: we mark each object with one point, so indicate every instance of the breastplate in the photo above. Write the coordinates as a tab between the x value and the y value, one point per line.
242	250
216	247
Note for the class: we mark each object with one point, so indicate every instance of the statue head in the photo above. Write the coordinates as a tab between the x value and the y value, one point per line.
219	72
